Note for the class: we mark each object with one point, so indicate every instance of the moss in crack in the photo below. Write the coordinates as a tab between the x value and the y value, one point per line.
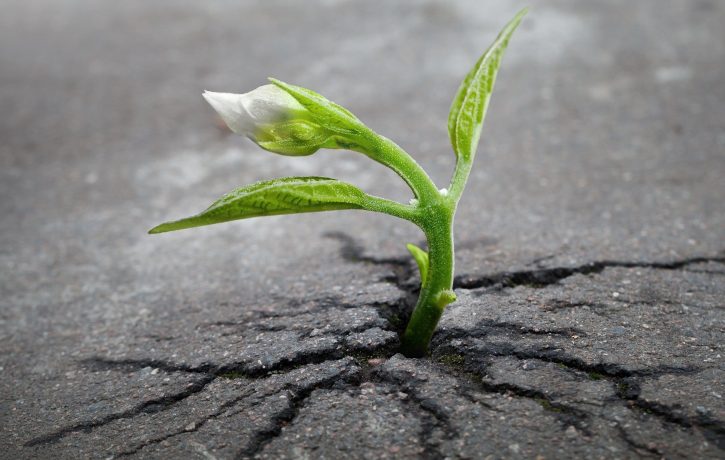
626	389
547	405
363	357
396	321
453	360
595	376
233	375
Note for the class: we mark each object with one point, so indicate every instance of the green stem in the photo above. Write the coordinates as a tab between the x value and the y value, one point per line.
459	179
437	292
390	154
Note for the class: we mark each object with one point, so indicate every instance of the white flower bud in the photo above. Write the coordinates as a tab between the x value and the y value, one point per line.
248	114
273	119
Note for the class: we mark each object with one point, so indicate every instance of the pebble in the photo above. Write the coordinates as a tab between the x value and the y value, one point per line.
571	432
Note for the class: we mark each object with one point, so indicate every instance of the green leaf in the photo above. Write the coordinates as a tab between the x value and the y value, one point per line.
421	257
289	195
325	112
471	101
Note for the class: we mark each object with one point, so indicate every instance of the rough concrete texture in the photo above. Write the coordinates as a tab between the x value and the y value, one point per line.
590	264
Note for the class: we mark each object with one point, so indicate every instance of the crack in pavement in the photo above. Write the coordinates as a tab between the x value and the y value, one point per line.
625	383
641	449
210	373
543	277
565	414
299	395
437	419
147	407
713	429
197	424
554	356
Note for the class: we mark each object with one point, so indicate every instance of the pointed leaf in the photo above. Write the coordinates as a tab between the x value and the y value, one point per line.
289	195
469	105
421	257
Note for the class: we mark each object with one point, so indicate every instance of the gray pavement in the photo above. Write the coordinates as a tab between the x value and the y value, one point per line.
590	254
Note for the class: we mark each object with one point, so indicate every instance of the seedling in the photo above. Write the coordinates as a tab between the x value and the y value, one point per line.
291	120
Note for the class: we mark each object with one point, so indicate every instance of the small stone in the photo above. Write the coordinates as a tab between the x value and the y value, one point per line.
571	432
190	427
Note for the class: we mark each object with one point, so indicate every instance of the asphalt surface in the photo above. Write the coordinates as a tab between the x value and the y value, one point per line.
590	254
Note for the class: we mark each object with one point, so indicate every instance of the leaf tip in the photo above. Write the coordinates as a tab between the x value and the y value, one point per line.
157	229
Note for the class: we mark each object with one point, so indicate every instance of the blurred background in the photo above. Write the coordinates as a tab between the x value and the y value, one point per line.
604	140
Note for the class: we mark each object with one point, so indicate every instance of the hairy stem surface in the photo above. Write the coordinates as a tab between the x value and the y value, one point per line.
437	291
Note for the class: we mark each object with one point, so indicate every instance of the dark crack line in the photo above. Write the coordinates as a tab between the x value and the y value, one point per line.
197	424
147	407
395	313
306	331
295	362
554	356
249	370
437	416
289	310
712	429
299	396
166	402
98	364
636	446
274	430
208	371
547	276
625	383
405	276
565	414
708	272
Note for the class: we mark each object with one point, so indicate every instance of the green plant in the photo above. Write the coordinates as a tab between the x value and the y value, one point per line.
291	120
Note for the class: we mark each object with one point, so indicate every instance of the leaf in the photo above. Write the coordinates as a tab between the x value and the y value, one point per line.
421	257
471	101
289	195
328	114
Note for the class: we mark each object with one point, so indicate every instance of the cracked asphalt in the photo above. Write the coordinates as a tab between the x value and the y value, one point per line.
590	254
